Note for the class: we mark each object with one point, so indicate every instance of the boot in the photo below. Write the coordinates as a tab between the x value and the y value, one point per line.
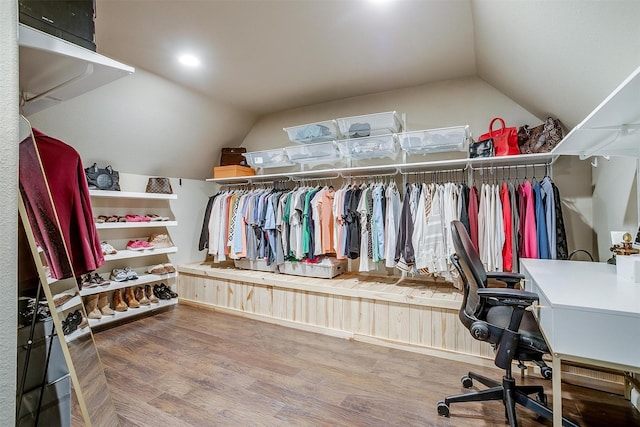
130	298
91	305
141	297
118	302
103	305
149	293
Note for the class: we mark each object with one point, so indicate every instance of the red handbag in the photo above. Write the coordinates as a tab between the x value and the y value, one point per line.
505	140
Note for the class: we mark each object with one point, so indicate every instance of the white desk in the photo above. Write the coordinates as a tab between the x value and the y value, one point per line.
586	314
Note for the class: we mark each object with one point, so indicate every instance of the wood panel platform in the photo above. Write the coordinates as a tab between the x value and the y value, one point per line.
411	314
414	314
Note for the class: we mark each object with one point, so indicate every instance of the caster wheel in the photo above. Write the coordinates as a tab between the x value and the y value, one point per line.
547	373
541	399
443	409
466	381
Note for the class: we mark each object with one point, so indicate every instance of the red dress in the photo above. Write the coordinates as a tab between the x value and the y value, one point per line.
68	185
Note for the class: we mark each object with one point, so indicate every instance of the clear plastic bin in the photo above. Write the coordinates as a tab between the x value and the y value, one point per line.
268	159
453	138
313	132
370	125
323	152
373	147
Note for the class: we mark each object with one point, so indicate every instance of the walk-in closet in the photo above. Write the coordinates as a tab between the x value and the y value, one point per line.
356	212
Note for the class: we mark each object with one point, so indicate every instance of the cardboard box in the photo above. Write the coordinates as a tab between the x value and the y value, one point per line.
232	171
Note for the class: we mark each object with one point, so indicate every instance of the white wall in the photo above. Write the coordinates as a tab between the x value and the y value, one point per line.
615	200
163	126
469	101
188	209
9	206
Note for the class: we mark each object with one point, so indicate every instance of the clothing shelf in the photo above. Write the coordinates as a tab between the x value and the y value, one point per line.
612	128
150	224
132	312
131	195
142	279
521	159
69	304
126	253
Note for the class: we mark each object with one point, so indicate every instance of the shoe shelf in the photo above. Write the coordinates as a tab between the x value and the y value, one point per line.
73	302
131	312
77	334
127	253
142	279
131	195
118	225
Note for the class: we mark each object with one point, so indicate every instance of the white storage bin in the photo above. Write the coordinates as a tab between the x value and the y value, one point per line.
268	159
313	132
369	148
323	152
254	264
325	269
435	140
370	125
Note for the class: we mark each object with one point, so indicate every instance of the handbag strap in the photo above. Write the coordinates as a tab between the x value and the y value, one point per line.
493	121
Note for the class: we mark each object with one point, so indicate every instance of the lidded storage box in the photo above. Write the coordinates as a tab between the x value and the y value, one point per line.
435	140
370	125
369	148
326	269
268	159
254	264
313	132
323	152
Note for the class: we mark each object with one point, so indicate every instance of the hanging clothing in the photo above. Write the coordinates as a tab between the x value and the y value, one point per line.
507	222
546	189
562	250
473	216
67	183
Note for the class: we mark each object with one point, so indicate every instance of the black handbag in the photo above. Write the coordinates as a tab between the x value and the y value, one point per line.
484	148
102	179
159	185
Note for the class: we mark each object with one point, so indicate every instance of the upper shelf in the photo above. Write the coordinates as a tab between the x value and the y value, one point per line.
132	195
397	168
53	70
612	129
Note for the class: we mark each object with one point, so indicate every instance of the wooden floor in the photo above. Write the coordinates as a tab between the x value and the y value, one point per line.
192	367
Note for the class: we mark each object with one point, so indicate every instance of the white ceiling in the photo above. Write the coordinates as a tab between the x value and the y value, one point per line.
558	57
261	56
266	56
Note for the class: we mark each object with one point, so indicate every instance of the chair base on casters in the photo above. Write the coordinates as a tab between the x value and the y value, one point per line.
508	392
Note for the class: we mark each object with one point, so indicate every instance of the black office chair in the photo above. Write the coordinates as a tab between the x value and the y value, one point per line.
498	316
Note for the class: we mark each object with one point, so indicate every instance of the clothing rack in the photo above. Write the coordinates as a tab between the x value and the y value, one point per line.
491	172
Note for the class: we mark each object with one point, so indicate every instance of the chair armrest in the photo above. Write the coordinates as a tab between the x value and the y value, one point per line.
511	297
511	279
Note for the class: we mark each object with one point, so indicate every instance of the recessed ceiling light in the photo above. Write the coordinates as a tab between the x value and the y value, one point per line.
189	60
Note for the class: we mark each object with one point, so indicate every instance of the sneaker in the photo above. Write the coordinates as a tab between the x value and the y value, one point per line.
119	275
88	282
131	274
160	241
157	269
138	245
107	249
100	280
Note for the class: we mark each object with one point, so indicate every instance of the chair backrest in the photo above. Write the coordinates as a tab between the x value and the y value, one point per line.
472	272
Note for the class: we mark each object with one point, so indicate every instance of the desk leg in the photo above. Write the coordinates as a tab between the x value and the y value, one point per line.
556	383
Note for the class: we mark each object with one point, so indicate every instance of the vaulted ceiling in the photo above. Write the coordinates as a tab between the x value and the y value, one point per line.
262	56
